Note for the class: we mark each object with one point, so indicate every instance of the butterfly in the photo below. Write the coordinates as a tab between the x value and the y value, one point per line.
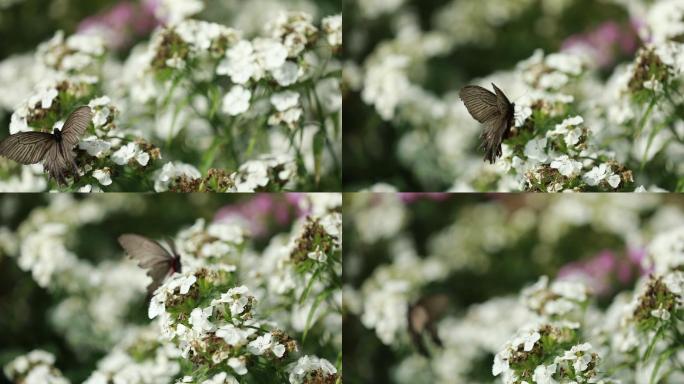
422	318
150	255
54	150
494	111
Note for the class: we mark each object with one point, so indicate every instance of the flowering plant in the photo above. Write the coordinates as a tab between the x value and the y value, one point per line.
597	108
194	105
530	292
240	311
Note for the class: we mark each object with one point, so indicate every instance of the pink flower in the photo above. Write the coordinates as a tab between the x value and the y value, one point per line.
261	211
122	23
410	197
602	271
606	43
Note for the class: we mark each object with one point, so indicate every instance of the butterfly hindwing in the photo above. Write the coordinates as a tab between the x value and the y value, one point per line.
492	135
27	147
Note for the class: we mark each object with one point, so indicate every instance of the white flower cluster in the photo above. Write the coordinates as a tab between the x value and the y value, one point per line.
36	367
575	365
171	171
129	361
666	251
73	54
228	318
95	296
203	243
280	170
311	368
560	299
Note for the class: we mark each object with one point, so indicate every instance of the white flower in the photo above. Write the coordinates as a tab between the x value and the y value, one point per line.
94	146
236	101
318	256
285	100
239	63
386	84
614	180
543	374
578	356
174	11
199	318
261	344
535	149
85	189
86	43
568	128
597	174
270	54
300	370
286	74
238	365
171	171
103	176
142	158
232	335
566	166
666	251
332	26
565	62
127	152
99	102
18	121
44	97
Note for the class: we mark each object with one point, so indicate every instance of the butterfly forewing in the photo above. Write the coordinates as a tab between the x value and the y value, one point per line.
150	255
26	147
147	252
481	103
75	126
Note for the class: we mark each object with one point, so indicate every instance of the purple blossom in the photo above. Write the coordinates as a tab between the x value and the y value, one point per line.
606	43
411	197
606	268
262	211
122	23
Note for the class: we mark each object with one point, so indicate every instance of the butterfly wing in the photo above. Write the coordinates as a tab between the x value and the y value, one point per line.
481	103
27	147
57	161
150	256
491	137
505	107
75	126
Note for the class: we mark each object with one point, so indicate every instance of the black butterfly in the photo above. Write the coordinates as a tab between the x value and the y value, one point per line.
150	255
54	150
422	318
494	111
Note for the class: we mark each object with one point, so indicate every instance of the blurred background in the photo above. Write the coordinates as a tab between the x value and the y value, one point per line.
449	44
478	250
30	313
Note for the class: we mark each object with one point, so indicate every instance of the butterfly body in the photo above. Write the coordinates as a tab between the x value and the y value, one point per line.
150	255
423	316
54	150
495	111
